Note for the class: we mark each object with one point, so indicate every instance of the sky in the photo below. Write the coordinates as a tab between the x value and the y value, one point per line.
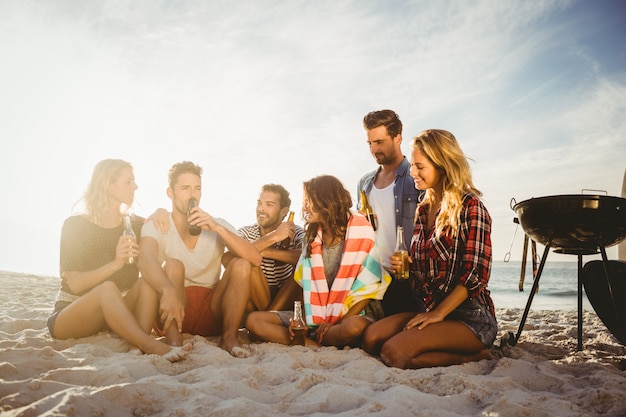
275	92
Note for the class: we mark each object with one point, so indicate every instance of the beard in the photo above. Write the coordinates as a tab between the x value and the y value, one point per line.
267	222
383	159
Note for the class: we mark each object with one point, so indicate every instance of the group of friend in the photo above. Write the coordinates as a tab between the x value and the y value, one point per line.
342	269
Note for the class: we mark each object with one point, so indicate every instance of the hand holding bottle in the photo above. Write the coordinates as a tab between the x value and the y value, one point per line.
125	251
285	243
297	326
128	243
400	259
194	229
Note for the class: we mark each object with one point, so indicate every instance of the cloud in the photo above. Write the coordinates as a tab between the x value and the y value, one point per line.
274	91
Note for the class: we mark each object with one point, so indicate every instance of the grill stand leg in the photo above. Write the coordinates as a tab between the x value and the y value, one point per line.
579	347
513	340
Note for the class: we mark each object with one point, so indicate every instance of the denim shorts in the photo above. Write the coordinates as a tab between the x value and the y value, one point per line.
60	305
372	312
477	317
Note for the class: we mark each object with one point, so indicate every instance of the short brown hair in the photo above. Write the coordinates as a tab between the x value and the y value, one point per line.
387	118
285	201
180	168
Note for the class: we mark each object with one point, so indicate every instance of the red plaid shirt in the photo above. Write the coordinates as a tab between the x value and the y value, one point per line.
440	264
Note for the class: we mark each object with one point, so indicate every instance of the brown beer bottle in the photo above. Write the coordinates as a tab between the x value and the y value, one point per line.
284	245
194	230
298	326
402	253
367	209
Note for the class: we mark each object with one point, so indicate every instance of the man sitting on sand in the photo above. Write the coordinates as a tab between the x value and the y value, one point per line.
184	267
272	285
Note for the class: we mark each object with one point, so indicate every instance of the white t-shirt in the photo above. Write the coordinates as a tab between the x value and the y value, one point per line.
381	200
203	264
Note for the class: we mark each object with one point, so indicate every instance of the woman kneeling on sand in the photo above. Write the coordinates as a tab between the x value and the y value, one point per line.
451	264
100	288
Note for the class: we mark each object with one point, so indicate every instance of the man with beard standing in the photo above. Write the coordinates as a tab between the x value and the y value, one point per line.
391	193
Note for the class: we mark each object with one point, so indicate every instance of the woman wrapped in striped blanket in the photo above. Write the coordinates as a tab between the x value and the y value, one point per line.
340	272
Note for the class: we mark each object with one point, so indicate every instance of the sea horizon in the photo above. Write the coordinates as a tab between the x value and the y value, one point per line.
557	286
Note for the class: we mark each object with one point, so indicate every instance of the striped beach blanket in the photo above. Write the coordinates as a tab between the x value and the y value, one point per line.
360	275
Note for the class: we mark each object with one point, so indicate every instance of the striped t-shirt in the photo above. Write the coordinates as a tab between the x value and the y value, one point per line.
276	272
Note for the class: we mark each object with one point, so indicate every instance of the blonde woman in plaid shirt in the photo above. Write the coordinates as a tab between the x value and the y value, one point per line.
451	264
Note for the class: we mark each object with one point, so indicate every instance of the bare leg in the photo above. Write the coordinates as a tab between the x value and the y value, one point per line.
384	329
143	301
438	344
259	290
175	272
229	301
104	306
346	333
288	293
432	359
267	326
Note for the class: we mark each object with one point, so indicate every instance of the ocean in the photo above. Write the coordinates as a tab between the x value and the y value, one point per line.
557	286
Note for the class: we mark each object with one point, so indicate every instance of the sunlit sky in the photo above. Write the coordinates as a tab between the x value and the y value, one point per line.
275	91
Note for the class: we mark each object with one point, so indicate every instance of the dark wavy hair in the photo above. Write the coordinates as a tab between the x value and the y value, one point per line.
330	199
387	118
285	201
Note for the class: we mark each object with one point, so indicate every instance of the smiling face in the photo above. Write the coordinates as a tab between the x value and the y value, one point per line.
424	173
269	214
122	189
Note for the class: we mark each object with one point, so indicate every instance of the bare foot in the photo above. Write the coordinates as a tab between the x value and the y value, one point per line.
231	345
239	352
483	354
178	353
311	343
172	336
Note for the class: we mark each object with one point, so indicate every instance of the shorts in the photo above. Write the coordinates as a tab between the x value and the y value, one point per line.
199	318
60	305
372	312
478	318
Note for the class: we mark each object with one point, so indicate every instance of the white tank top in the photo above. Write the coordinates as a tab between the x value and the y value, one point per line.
381	200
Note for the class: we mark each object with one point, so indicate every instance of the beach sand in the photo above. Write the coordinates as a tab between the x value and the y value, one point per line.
102	376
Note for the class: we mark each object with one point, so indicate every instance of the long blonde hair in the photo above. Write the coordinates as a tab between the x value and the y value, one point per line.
444	152
96	197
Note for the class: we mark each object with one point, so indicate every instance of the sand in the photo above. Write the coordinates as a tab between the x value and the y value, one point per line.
102	376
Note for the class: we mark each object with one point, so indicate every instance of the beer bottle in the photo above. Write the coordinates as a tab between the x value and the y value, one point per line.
194	230
130	233
402	253
298	326
367	209
286	242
